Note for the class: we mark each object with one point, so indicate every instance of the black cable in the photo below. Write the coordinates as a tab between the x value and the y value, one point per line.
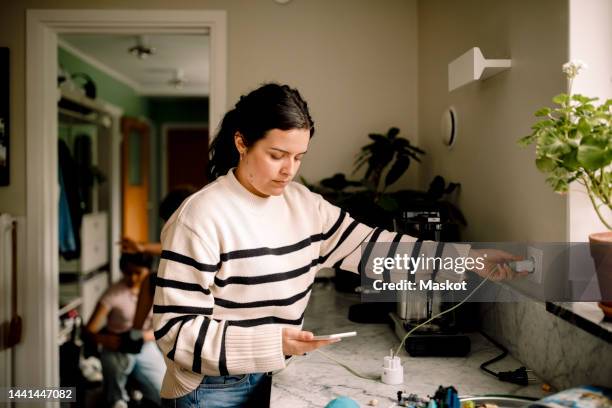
503	355
520	376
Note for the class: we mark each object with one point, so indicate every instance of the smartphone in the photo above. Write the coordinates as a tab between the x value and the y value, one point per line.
335	336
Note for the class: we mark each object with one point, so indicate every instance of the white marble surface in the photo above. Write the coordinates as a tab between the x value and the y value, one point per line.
313	380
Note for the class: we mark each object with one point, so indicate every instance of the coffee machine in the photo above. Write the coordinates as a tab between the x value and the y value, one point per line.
444	336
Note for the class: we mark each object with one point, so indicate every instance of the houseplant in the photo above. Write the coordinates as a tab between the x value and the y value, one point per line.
574	144
386	159
388	155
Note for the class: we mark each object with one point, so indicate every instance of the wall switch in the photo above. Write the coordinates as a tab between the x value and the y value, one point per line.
537	255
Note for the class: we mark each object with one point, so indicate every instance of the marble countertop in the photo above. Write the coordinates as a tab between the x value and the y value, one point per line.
314	380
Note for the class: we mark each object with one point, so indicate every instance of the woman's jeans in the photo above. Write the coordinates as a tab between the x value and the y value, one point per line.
228	391
146	367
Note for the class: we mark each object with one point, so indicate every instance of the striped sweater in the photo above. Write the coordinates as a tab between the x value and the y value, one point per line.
236	268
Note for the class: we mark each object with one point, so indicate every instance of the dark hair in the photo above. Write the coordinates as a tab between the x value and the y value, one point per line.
173	200
136	259
271	106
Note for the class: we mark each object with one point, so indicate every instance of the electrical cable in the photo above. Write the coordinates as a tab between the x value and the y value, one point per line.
520	376
503	355
352	371
444	312
355	373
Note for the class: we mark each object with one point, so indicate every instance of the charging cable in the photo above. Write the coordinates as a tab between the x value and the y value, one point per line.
350	370
357	374
444	312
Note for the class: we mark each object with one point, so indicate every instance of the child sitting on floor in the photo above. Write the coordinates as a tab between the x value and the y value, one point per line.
126	352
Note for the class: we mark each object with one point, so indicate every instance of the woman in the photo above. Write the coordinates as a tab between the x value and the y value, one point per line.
122	355
239	257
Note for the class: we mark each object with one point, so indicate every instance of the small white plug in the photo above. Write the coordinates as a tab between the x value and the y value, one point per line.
528	265
393	371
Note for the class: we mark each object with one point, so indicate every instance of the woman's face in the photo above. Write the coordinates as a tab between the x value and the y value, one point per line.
271	163
134	275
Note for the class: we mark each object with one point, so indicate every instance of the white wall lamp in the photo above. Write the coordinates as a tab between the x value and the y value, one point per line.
473	66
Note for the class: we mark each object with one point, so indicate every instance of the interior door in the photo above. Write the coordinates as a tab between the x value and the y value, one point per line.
186	157
135	179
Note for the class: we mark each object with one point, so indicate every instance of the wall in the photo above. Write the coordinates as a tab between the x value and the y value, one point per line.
503	195
355	61
108	89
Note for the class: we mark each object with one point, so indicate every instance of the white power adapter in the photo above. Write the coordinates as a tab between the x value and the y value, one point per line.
528	265
393	371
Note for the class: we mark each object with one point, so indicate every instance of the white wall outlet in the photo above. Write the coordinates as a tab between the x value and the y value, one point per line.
537	255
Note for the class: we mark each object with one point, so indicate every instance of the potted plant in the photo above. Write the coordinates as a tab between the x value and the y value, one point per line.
386	150
574	144
386	159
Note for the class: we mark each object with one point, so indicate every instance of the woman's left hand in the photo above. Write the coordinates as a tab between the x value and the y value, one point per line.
496	264
297	342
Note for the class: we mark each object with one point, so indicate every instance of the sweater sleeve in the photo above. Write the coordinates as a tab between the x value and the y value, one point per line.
182	314
343	238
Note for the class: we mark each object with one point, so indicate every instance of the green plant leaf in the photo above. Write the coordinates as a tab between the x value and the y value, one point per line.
526	140
545	164
377	138
561	99
584	126
542	112
393	132
558	184
542	124
553	145
338	182
436	188
387	203
583	99
592	154
398	168
416	149
570	160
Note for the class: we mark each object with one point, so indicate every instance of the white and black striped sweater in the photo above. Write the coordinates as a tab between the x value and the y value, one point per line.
236	268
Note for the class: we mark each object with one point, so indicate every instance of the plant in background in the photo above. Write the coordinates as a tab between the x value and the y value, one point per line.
368	201
386	150
387	153
574	143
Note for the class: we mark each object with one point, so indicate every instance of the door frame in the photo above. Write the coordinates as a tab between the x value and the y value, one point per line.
164	147
37	358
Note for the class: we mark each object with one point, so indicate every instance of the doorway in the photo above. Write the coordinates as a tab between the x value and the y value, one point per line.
37	357
186	155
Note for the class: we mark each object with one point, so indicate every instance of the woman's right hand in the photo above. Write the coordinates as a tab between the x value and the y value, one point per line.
297	342
130	246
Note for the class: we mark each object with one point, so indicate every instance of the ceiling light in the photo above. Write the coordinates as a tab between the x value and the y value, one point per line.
142	49
178	80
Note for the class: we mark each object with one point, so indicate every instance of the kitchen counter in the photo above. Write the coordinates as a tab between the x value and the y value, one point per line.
314	380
